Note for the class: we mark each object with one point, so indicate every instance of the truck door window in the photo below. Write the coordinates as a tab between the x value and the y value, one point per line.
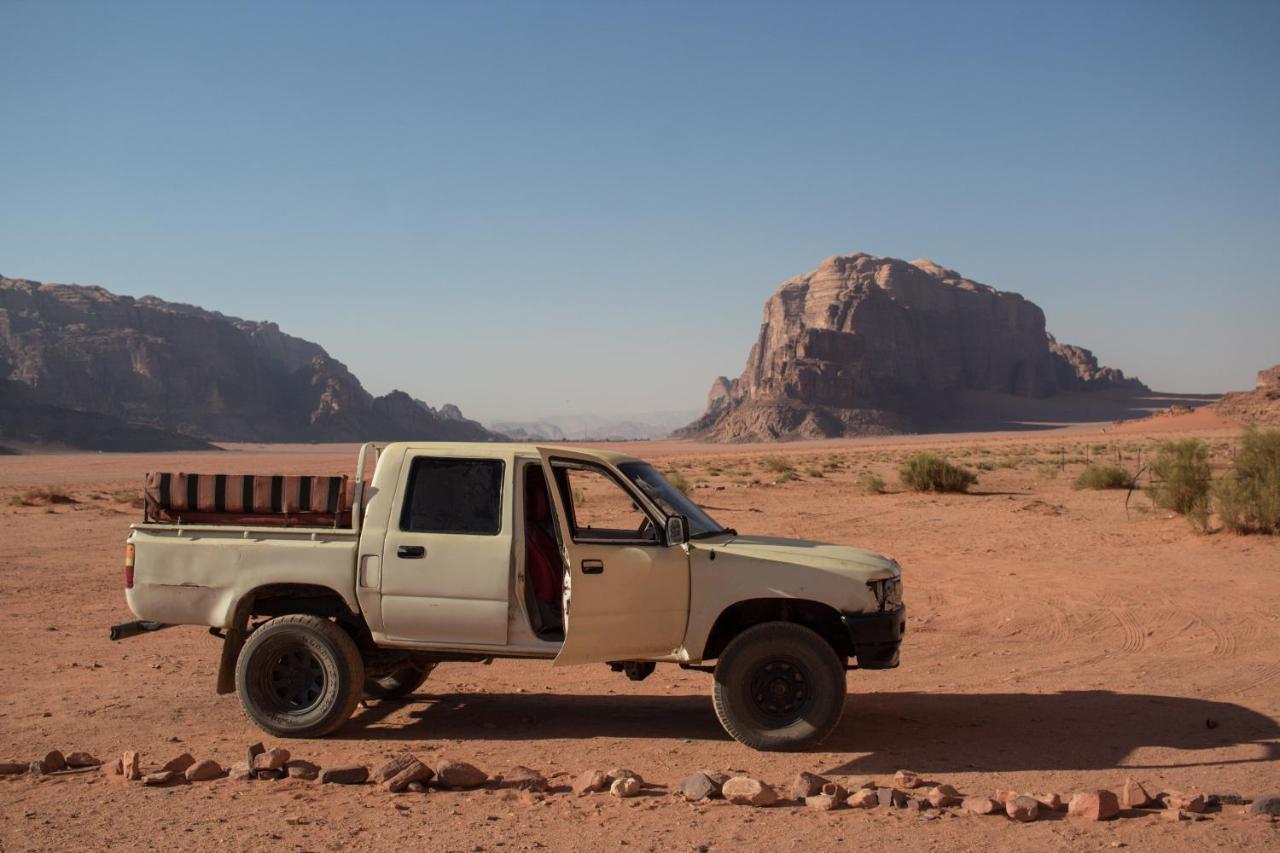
461	496
601	509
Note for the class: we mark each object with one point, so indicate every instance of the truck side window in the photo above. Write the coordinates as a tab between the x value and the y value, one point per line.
601	509
453	496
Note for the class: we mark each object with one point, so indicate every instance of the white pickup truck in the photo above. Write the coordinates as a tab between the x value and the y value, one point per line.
326	590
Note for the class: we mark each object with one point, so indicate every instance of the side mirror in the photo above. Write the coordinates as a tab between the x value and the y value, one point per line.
677	530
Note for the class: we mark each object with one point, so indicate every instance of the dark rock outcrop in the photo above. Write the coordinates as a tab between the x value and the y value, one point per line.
866	344
181	370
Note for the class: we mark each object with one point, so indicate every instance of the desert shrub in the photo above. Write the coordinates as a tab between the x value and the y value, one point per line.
777	464
870	484
46	495
1048	471
984	465
678	480
816	473
926	472
1103	477
1249	497
786	476
1181	473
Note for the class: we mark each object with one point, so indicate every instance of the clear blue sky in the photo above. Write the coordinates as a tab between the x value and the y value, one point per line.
534	208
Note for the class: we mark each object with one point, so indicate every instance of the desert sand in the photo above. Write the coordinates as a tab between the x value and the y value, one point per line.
1056	642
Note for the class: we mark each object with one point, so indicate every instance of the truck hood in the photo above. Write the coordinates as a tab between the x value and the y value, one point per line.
855	563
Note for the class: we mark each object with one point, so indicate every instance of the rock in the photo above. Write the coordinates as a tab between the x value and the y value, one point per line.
416	787
344	775
113	771
1176	800
179	764
1175	815
253	752
944	796
204	771
273	759
1213	800
835	789
590	782
917	804
414	771
907	779
52	762
1049	802
1003	795
745	791
82	759
822	802
270	775
891	797
525	779
868	344
1024	809
623	773
980	805
240	772
11	768
160	777
1133	795
302	770
628	787
1267	804
697	787
806	785
1094	805
129	766
394	766
863	798
459	774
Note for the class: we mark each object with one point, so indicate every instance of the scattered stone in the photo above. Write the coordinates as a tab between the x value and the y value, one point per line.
1176	800
82	759
296	820
697	787
980	805
240	772
129	766
253	752
1051	802
52	762
204	771
891	797
416	787
590	782
623	773
907	779
10	768
718	778
459	774
179	764
835	789
1175	815
1024	809
302	770
1003	796
1212	800
269	775
1094	805
394	766
525	779
822	802
745	791
414	771
917	804
863	798
1268	804
1133	795
273	759
806	785
944	796
160	777
628	787
344	775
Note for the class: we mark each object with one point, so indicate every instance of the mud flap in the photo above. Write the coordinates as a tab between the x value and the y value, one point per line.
231	647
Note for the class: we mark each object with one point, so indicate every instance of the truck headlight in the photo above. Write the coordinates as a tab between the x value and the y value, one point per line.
888	593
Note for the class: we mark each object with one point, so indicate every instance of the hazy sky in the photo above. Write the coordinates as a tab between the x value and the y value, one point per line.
534	208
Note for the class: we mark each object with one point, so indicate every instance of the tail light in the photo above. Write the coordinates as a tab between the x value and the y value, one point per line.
128	565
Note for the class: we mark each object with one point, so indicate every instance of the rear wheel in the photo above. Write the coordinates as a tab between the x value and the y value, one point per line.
396	684
299	676
779	686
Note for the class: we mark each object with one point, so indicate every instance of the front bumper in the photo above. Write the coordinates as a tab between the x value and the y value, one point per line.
876	637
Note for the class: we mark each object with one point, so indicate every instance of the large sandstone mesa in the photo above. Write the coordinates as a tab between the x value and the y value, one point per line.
1259	407
866	344
180	370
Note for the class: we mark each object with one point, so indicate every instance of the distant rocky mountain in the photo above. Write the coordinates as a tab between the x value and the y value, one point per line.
1260	407
866	344
594	427
171	373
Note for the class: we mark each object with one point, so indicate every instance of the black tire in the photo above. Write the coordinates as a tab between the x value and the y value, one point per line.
396	685
299	676
779	686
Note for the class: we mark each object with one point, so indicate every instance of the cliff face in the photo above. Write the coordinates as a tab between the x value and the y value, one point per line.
182	369
1259	407
866	344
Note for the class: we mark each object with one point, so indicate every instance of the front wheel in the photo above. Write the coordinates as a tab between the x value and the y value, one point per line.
779	686
299	676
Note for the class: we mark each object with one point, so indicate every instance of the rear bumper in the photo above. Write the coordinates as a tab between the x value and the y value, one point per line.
876	637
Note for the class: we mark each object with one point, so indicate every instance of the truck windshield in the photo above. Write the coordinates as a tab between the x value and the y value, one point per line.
669	499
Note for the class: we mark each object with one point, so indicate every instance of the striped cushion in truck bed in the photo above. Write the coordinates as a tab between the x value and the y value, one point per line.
247	498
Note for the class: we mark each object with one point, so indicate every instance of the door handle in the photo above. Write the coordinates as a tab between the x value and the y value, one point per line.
592	567
411	552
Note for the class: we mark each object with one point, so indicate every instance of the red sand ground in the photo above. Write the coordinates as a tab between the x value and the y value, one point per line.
1054	644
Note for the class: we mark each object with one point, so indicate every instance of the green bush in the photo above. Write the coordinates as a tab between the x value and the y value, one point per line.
678	480
1182	477
1103	477
871	484
777	464
1249	497
926	472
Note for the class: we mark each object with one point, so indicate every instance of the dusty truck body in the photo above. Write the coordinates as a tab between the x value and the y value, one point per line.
326	590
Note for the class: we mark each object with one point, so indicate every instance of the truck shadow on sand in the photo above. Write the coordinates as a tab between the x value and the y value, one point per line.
880	732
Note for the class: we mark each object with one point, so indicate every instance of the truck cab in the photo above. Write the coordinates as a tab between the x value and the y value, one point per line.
473	551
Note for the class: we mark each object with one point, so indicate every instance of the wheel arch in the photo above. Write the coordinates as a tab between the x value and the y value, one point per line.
821	618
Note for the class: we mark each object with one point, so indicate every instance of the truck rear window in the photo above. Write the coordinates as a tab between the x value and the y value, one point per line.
453	496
